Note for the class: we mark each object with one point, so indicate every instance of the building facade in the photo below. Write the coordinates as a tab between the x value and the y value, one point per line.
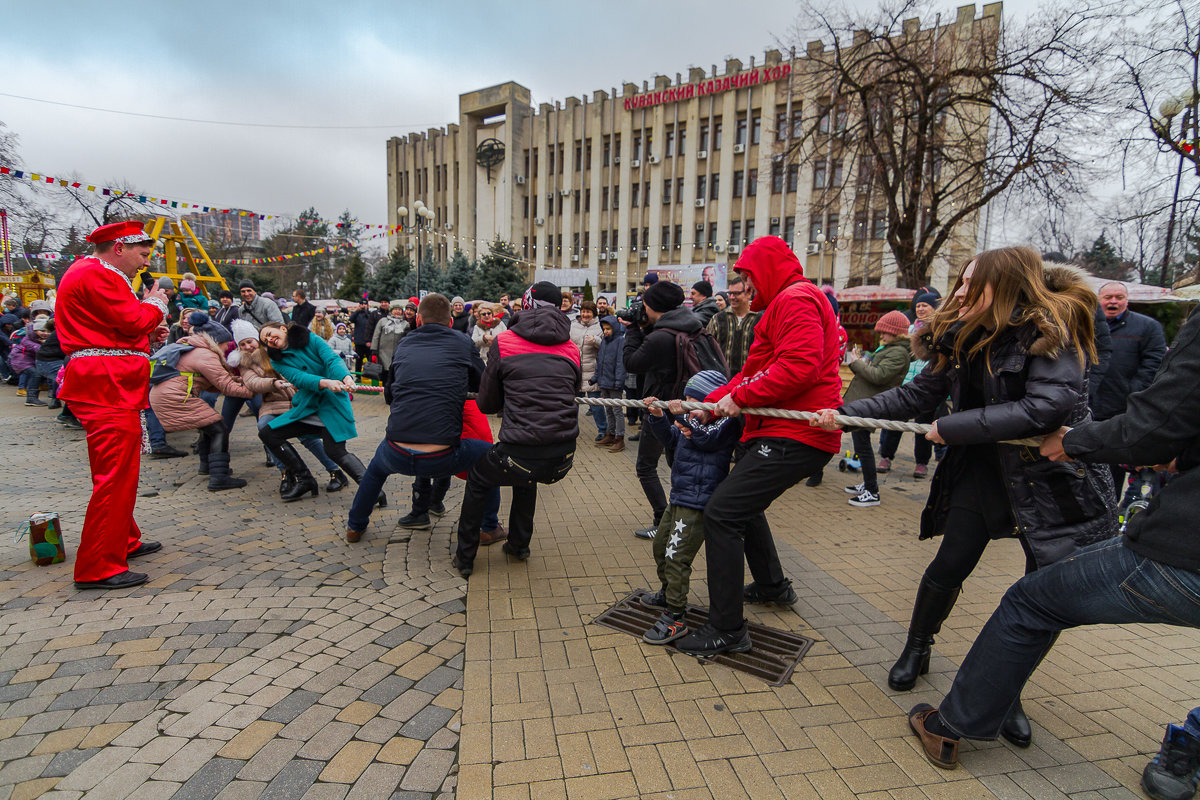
673	175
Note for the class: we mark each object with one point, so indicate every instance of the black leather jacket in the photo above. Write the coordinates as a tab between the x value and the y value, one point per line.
1034	384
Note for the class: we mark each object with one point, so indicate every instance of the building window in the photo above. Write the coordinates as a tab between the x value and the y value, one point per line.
533	209
637	147
866	170
789	230
578	156
603	241
679	190
837	173
823	121
797	121
716	136
703	145
587	152
645	237
781	128
587	200
527	173
749	230
526	245
587	240
646	192
526	203
578	197
774	229
558	243
739	136
617	145
636	192
819	174
739	183
712	233
616	198
879	225
815	228
633	238
735	232
667	192
793	177
678	239
682	140
777	177
575	243
607	150
604	199
670	148
832	227
756	129
839	119
551	159
714	186
666	237
860	226
752	183
701	185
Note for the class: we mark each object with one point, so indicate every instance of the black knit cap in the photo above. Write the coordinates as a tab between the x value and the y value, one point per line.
246	284
703	287
663	296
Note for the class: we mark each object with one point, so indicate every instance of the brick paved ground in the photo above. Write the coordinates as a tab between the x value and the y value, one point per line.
269	659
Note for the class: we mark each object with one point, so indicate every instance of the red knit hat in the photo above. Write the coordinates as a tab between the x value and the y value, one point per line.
892	322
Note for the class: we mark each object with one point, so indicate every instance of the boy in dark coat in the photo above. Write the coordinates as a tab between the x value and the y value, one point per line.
702	456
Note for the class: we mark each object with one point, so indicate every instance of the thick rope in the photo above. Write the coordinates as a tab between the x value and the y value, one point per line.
781	413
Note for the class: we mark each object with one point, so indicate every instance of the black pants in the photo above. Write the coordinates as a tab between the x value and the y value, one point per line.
889	441
362	352
966	537
498	467
866	458
274	437
650	447
736	523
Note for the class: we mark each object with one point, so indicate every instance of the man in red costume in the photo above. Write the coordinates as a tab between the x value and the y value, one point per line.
105	331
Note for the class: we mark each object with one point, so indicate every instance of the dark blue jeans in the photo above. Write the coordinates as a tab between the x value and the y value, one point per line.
154	429
1106	583
390	459
230	407
598	414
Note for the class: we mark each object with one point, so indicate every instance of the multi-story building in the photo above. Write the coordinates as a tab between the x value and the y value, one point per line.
675	175
235	228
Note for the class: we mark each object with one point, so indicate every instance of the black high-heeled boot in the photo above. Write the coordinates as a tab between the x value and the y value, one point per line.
304	481
932	606
355	469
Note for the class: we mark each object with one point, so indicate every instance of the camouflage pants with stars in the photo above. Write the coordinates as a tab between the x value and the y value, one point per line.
680	534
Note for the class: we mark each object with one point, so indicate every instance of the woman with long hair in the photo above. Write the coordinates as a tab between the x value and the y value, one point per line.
321	325
319	407
1011	349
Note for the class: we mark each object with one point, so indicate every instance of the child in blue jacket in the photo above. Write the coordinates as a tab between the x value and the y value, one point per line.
610	377
702	455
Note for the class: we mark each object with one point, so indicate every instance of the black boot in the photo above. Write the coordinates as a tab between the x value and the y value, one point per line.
1016	727
286	483
437	503
203	448
337	481
219	476
355	469
304	482
931	608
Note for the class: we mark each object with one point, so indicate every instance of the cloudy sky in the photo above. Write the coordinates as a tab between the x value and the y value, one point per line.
378	69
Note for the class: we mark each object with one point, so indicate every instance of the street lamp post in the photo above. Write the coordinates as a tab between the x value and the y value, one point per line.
419	211
820	255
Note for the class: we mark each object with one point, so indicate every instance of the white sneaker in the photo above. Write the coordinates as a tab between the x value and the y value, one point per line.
856	489
864	499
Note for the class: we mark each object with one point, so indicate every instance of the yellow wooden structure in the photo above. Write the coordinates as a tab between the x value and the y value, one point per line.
27	286
179	242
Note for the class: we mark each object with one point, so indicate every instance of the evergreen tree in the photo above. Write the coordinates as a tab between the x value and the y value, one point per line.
394	278
353	279
587	290
459	275
1103	261
499	272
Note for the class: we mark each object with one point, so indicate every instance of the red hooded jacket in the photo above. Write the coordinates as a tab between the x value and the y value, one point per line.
793	362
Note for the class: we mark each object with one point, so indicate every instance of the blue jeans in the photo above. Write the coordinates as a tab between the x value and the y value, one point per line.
154	428
390	459
312	443
598	414
48	371
1105	583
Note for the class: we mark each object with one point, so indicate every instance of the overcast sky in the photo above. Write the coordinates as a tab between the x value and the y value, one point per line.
399	65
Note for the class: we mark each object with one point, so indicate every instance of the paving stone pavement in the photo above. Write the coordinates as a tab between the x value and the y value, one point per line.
269	659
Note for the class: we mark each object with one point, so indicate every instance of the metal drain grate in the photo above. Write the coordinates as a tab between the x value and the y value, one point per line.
773	658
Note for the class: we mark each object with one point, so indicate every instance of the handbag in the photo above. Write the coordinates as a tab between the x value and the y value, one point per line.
373	371
46	544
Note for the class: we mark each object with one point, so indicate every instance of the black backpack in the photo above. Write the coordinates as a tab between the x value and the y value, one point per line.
696	352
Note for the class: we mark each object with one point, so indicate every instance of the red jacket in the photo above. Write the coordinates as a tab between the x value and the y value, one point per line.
96	307
475	426
793	362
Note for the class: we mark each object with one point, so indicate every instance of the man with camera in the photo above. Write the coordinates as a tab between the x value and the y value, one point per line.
650	351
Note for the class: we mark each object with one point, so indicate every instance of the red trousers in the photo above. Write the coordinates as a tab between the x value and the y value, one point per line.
114	438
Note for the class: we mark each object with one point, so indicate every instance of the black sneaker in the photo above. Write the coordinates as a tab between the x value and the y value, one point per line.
437	510
668	628
414	522
815	479
33	401
519	555
708	641
782	595
646	533
166	451
1175	770
656	600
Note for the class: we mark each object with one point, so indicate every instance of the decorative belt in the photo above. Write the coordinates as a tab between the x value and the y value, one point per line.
109	351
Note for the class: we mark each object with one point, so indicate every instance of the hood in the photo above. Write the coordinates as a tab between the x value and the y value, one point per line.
9	319
544	326
679	319
617	328
772	266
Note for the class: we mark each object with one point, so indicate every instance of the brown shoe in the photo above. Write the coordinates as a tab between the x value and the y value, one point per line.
606	440
353	535
618	445
498	534
941	751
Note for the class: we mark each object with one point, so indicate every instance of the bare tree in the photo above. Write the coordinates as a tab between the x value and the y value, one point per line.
942	121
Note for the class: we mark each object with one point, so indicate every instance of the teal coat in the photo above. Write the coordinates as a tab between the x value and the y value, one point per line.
304	368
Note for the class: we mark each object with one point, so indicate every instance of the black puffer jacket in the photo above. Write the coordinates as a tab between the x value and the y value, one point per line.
652	352
533	375
1034	385
1138	347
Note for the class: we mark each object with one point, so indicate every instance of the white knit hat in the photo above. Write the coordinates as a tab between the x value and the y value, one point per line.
243	330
